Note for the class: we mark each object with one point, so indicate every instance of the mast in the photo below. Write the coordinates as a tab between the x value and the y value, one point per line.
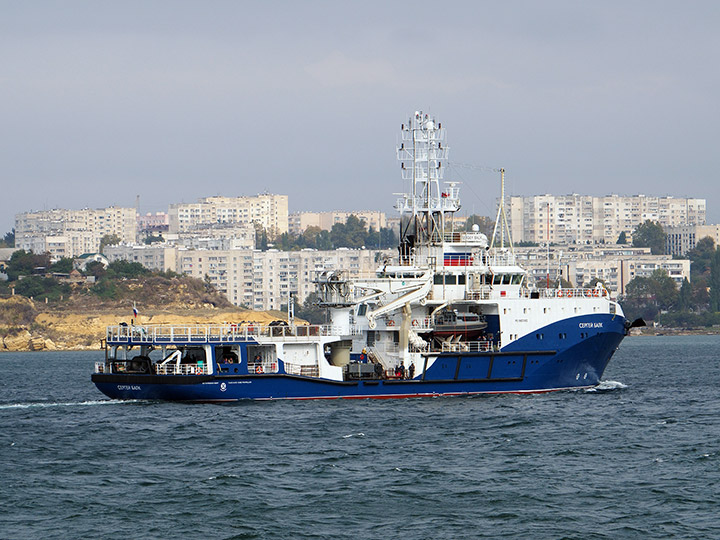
423	154
501	219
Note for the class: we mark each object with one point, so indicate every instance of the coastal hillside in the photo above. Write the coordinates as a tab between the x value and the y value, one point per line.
77	319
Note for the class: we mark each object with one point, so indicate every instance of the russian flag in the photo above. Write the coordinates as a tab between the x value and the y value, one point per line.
135	312
457	259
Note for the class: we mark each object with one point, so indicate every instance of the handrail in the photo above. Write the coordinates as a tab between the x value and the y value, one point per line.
214	333
120	366
596	292
467	346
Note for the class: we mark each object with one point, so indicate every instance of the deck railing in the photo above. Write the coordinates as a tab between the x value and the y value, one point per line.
569	293
215	333
262	367
120	366
469	346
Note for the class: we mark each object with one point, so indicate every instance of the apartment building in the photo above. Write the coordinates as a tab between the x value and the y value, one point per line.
260	280
300	221
277	273
615	265
157	222
269	211
683	238
159	256
230	271
584	219
70	233
217	236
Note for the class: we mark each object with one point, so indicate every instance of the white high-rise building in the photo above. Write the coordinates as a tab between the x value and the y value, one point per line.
584	219
269	211
71	233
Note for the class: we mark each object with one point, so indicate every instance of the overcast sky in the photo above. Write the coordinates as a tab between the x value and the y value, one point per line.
101	101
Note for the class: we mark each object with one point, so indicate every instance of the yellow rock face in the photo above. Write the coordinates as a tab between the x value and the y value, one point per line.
74	331
18	342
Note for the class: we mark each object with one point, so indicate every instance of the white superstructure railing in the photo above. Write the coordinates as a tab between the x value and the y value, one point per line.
217	333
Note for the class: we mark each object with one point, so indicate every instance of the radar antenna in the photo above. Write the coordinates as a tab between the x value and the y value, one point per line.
423	156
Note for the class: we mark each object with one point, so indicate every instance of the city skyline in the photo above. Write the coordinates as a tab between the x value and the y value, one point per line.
178	101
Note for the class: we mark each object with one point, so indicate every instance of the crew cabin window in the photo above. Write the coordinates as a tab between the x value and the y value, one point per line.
517	279
497	279
362	309
448	279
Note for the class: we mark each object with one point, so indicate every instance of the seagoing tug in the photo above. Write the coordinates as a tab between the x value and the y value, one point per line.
452	315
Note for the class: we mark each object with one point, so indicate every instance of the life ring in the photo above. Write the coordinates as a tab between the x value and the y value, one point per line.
559	293
569	294
362	356
258	369
596	293
415	323
390	323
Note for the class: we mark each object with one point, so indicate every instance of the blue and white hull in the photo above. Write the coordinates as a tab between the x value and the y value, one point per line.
564	363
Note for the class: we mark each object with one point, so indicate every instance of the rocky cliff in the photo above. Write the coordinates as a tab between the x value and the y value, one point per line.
29	326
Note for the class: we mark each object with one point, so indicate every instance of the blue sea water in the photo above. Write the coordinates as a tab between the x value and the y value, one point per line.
638	457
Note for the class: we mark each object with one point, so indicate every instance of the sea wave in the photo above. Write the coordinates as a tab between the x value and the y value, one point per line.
32	405
607	386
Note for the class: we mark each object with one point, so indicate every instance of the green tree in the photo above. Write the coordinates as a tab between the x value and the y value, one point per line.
39	287
25	263
350	234
388	238
650	234
646	296
261	237
95	268
63	266
663	289
622	239
106	289
8	240
700	257
109	240
126	269
715	282
310	311
685	296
